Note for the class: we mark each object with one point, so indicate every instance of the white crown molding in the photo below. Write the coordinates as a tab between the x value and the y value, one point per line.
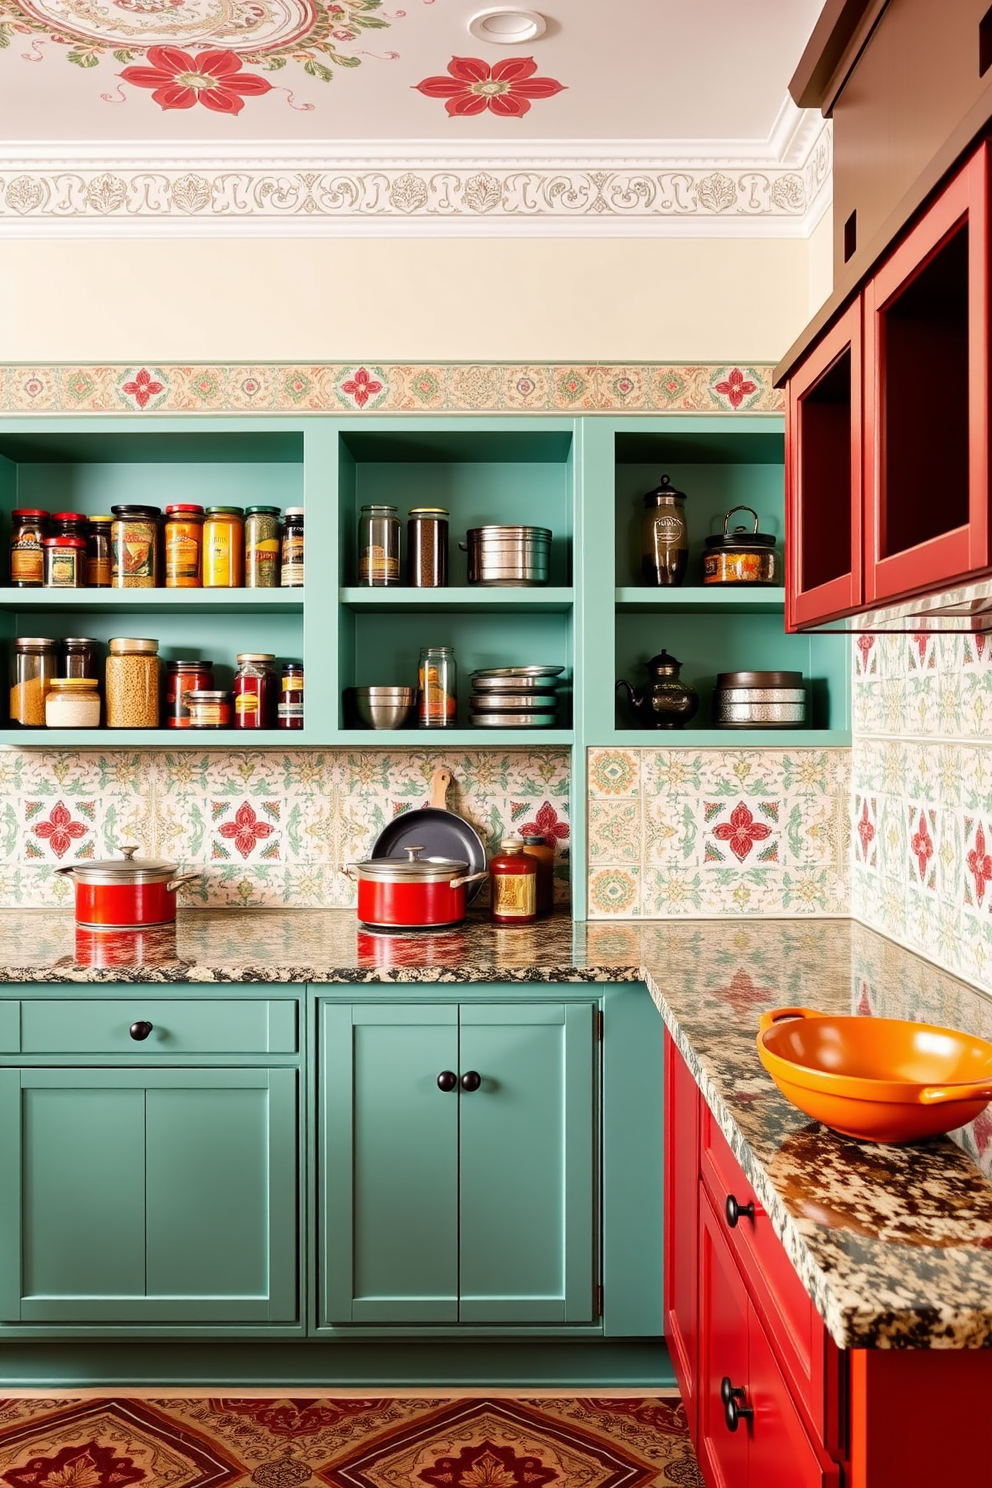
689	188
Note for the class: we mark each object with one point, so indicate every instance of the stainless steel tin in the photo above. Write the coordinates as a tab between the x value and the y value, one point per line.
759	679
519	671
515	683
508	556
512	720
513	702
761	695
758	715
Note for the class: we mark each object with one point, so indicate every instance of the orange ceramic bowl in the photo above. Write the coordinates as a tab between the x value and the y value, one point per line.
877	1079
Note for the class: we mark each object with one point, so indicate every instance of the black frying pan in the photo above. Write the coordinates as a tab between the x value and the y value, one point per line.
438	831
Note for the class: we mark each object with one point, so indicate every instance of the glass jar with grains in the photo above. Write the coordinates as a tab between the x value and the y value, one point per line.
33	670
378	546
134	547
262	527
132	683
73	702
65	562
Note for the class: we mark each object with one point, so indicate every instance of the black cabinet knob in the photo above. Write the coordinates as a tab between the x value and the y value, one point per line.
471	1080
140	1030
447	1080
734	1211
734	1409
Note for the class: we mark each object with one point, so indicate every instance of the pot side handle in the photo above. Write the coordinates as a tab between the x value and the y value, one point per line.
778	1015
68	868
938	1095
181	878
456	883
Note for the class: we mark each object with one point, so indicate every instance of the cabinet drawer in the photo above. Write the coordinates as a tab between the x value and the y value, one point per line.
783	1302
178	1027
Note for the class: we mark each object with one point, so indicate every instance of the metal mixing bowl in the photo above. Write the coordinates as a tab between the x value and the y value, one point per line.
385	707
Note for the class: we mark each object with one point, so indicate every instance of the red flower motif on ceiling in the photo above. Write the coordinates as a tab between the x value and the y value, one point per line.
866	830
922	846
143	387
180	80
736	388
505	89
362	386
546	824
60	831
980	864
742	831
85	1465
246	829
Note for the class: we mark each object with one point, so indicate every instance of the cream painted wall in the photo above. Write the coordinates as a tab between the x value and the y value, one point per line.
388	299
820	248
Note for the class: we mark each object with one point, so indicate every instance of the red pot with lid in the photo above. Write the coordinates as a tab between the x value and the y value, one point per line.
412	892
126	893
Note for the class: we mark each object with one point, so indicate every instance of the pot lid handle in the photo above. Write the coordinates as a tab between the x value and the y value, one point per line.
741	527
129	852
413	852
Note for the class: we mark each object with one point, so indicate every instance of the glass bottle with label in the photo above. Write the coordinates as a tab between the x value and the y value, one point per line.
255	691
378	546
664	536
513	885
29	525
98	565
183	547
437	699
134	547
290	706
291	569
224	547
262	547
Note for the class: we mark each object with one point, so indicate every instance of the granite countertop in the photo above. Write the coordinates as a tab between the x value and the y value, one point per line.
894	1244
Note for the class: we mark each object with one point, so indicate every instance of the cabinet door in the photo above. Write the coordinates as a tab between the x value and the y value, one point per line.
926	470
782	1455
388	1164
723	1354
682	1224
148	1196
526	1211
823	463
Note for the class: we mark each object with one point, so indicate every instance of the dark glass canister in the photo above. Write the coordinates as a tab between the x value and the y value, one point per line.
98	565
77	657
291	569
427	547
664	536
69	524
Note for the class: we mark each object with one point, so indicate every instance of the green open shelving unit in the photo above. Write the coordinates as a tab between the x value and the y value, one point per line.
582	477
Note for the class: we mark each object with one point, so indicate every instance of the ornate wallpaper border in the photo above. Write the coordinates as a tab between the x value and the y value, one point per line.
758	197
387	388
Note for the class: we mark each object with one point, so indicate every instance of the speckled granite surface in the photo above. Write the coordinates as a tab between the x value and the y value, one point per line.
893	1243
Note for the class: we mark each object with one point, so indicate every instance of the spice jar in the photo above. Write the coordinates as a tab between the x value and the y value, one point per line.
290	709
739	556
437	700
255	690
427	547
98	549
28	526
224	547
77	657
513	888
70	524
209	708
291	568
262	547
134	547
132	683
543	853
183	547
32	673
181	679
64	559
73	702
664	535
378	546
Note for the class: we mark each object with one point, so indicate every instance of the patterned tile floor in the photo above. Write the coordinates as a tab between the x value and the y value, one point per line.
421	1441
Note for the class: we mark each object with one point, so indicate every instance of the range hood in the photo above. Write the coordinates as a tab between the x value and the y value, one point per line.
967	608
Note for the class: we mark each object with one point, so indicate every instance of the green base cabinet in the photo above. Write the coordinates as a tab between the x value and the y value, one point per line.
460	1206
148	1196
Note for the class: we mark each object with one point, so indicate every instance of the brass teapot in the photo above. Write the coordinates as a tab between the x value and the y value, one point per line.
665	702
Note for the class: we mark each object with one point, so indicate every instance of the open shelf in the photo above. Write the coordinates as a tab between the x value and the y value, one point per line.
699	599
470	600
157	601
461	738
729	738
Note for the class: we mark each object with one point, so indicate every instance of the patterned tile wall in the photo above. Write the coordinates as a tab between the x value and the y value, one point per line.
922	796
681	833
266	827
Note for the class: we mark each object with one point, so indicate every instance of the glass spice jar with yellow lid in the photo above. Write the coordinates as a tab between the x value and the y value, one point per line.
224	547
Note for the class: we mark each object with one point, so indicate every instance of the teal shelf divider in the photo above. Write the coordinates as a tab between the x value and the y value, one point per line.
470	600
712	738
154	601
697	600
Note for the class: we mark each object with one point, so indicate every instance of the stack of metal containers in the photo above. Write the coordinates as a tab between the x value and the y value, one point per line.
515	697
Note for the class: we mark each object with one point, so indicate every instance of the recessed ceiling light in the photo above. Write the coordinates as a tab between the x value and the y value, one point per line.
507	27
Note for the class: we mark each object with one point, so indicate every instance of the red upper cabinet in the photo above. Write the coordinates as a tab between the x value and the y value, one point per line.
926	422
824	477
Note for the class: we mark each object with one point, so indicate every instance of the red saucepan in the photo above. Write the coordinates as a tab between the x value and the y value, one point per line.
126	893
413	892
438	832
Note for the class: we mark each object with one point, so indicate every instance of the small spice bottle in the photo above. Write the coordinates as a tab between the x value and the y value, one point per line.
255	690
181	679
224	547
27	566
73	702
65	559
134	547
427	547
31	679
183	547
378	546
209	708
513	888
262	556
98	560
132	683
290	708
70	524
291	568
543	853
77	657
437	699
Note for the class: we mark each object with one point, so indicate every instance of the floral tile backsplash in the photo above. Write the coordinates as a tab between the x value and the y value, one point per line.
266	827
921	796
681	832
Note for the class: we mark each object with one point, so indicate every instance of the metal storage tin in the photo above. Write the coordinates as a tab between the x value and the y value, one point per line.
508	557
